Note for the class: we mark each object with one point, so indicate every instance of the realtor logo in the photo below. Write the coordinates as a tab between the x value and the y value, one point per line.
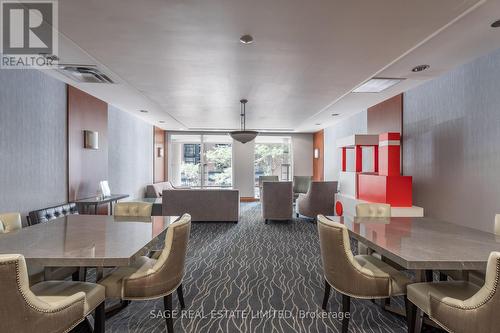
29	33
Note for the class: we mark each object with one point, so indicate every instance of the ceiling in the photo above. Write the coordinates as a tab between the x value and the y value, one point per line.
183	62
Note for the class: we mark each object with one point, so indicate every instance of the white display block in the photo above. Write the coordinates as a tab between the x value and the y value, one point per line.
347	183
358	140
349	206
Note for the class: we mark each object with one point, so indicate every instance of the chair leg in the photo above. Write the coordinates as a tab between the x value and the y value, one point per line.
411	311
180	295
100	319
326	296
419	320
167	303
346	309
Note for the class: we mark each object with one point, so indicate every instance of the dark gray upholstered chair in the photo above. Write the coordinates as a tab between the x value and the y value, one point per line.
51	213
319	200
301	185
263	179
277	201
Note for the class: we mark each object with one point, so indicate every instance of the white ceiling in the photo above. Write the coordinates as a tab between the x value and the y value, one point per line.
182	61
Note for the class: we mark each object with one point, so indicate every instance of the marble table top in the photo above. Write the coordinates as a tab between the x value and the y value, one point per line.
86	240
421	243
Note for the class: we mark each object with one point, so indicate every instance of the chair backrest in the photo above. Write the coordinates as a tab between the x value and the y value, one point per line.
167	273
131	208
51	213
301	184
277	200
21	310
373	210
323	190
10	222
268	179
342	270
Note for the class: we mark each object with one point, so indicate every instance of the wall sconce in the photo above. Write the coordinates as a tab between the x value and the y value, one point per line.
160	151
316	152
90	140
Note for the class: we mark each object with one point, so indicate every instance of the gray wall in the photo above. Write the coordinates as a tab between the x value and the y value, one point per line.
33	148
302	154
130	147
356	124
451	129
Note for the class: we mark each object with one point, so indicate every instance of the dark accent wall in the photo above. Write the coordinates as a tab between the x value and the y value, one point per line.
33	149
318	163
386	116
86	167
452	144
160	163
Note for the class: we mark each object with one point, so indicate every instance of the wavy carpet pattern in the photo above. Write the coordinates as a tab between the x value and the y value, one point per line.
267	278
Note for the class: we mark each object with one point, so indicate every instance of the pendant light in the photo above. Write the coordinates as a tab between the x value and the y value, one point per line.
243	135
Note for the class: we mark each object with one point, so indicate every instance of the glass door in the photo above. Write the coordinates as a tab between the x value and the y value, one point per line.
217	161
200	160
273	157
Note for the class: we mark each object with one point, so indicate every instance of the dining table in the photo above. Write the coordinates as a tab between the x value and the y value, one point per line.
422	245
96	241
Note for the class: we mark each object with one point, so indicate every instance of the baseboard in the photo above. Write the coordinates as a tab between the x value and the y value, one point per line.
248	199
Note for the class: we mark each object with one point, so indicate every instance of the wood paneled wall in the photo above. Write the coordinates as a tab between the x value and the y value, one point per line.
318	163
160	163
386	116
86	167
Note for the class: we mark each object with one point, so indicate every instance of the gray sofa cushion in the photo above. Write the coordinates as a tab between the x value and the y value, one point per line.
217	205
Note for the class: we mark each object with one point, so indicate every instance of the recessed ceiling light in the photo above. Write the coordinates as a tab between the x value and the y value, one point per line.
496	24
376	85
335	114
246	39
161	121
420	68
144	111
317	124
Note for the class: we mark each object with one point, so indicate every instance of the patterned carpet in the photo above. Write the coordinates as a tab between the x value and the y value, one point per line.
252	277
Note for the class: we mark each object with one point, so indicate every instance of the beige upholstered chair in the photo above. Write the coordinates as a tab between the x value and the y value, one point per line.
263	179
459	306
140	209
10	222
319	200
277	201
301	185
360	276
51	306
156	277
371	210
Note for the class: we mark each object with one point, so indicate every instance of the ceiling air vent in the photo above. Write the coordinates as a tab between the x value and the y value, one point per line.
88	74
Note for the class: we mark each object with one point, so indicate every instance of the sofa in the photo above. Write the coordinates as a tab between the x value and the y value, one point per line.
277	201
155	190
204	205
319	199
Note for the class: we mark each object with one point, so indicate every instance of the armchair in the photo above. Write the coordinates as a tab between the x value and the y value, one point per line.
319	199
